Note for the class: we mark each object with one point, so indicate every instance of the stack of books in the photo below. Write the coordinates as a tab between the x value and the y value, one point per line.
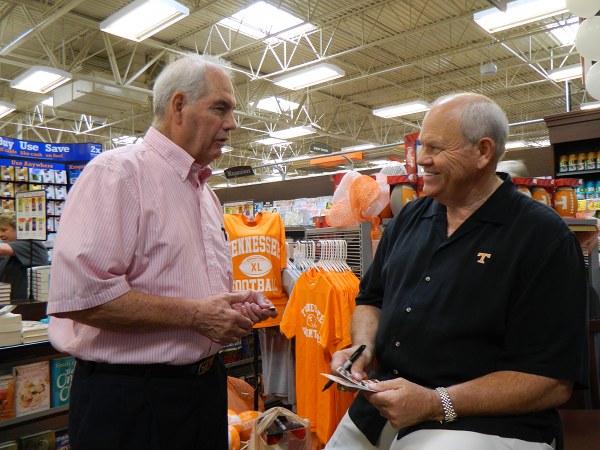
34	331
41	282
4	293
10	329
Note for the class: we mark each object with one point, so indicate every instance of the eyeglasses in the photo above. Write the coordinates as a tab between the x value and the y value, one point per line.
282	428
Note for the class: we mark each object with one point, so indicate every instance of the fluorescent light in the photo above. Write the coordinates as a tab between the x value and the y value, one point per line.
293	132
358	147
566	73
143	18
276	105
6	108
522	144
566	31
262	19
125	140
589	105
272	141
403	109
518	13
226	149
40	79
515	144
310	76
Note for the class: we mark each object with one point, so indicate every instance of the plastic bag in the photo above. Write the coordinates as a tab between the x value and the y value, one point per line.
280	429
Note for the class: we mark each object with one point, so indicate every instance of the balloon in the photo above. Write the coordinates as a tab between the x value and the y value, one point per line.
592	81
583	8
588	37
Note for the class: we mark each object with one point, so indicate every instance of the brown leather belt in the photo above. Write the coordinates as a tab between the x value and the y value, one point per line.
151	370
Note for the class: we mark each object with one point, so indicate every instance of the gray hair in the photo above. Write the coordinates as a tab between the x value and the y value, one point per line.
481	117
185	75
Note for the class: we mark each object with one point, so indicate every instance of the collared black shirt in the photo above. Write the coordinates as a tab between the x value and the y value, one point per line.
506	291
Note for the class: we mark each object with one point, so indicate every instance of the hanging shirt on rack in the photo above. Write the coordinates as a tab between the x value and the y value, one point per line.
318	316
258	255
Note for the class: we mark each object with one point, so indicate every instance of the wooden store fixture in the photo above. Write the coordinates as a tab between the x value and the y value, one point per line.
579	132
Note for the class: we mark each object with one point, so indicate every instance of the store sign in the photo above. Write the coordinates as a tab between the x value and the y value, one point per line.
16	148
239	171
316	147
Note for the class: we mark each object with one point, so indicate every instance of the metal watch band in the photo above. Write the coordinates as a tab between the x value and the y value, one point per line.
449	413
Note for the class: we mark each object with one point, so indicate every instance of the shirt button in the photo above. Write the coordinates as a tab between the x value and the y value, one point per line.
427	278
395	372
397	344
409	309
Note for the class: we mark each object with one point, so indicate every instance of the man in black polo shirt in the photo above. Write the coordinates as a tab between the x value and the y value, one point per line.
473	308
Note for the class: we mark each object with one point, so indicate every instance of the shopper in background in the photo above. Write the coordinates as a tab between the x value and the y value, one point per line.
17	256
141	278
473	308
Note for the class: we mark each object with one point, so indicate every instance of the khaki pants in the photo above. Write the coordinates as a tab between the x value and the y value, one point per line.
348	437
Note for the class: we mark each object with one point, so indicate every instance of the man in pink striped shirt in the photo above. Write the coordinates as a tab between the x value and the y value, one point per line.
141	278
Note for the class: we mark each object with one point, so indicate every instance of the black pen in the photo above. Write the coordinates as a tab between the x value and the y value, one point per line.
347	364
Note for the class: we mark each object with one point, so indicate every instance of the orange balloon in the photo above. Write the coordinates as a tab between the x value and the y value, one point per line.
248	420
234	439
234	420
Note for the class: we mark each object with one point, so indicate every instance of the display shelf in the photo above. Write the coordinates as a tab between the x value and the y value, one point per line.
578	173
34	417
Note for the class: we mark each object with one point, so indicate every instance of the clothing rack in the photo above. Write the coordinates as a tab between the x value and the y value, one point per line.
358	238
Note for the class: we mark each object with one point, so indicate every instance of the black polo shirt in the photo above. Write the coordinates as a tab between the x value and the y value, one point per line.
507	291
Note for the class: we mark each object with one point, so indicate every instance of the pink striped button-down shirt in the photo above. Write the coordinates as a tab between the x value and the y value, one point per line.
139	217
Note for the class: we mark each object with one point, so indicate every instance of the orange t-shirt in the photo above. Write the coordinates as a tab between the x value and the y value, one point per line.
258	256
316	316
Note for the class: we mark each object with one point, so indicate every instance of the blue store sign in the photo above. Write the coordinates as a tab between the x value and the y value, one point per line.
16	148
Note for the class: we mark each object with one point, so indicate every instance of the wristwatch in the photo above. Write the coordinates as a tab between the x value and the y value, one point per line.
449	413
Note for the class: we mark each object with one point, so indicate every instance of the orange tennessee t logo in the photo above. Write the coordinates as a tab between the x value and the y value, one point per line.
482	257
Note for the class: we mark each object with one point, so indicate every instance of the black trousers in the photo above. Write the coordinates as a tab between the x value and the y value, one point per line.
110	411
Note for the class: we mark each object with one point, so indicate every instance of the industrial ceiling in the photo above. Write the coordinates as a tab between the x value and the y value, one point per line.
392	51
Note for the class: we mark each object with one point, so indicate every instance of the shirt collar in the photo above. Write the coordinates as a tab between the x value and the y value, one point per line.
183	163
496	207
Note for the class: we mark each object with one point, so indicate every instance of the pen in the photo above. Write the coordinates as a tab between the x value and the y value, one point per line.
347	364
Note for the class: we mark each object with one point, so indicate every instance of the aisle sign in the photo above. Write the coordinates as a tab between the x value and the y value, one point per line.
31	215
317	147
47	151
239	171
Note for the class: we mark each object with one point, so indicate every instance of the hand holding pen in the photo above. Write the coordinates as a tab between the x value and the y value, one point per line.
347	364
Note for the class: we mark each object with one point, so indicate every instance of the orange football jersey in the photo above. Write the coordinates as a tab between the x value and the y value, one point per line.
258	256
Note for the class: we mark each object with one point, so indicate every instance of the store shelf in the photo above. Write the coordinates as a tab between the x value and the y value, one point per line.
577	172
35	417
581	224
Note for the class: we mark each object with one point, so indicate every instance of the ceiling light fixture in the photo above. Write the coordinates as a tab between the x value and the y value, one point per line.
566	30
294	132
310	76
226	149
515	144
358	148
403	109
40	79
566	73
6	108
589	105
143	18
518	13
276	105
272	141
262	19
